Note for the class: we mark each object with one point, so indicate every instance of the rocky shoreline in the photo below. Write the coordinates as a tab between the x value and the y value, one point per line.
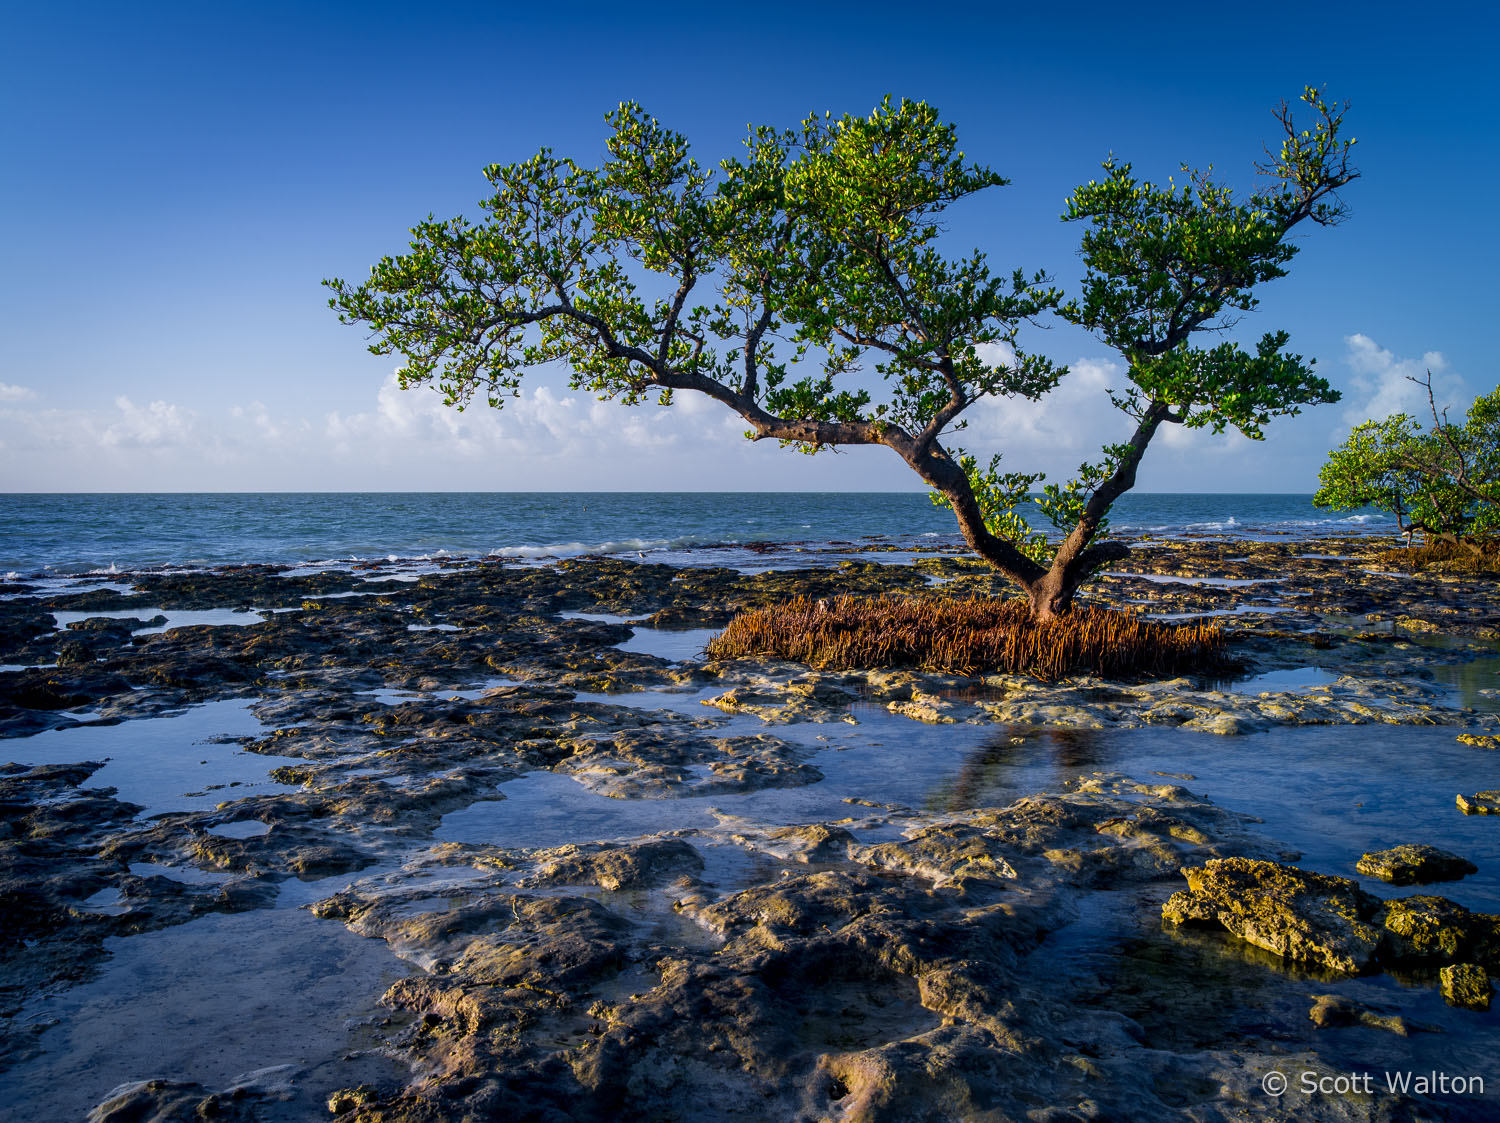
749	927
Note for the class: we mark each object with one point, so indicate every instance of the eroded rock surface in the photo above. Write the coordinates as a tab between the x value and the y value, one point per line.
1467	984
1414	864
858	981
1308	917
1481	803
896	962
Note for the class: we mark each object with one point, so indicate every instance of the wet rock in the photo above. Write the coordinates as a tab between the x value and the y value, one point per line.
786	702
20	624
1331	1011
772	999
1466	984
348	1099
816	842
1414	864
924	707
1428	928
22	693
303	851
1308	917
50	833
1480	740
670	759
901	964
633	866
1093	704
959	852
1329	922
1481	803
171	1101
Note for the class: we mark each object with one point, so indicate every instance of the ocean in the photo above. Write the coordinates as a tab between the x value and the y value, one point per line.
82	533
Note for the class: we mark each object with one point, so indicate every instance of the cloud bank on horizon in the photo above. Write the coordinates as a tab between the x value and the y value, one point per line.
552	439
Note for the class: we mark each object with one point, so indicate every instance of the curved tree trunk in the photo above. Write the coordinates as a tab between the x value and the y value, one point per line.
1050	591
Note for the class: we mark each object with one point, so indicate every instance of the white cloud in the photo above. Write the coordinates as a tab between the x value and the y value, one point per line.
158	425
9	393
1382	382
541	424
267	430
1056	432
997	354
552	438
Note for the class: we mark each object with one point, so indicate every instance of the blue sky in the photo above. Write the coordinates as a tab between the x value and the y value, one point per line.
180	177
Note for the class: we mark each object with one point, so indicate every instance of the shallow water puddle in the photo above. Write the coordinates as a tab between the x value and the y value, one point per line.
597	617
177	763
690	704
550	808
209	1001
1237	610
241	828
1333	793
1120	959
106	902
393	696
1211	582
176	618
545	809
1293	678
674	646
187	875
1477	682
471	693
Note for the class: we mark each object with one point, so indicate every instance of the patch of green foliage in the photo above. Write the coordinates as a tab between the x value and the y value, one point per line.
1442	481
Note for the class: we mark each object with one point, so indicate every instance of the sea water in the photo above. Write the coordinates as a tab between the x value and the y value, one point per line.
87	533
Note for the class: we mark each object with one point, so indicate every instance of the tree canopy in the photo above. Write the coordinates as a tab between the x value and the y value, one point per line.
801	284
1442	481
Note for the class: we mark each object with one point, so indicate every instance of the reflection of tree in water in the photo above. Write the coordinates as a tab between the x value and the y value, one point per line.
1076	748
1472	677
1011	760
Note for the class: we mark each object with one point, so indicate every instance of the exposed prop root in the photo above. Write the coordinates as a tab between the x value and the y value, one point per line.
1466	556
965	637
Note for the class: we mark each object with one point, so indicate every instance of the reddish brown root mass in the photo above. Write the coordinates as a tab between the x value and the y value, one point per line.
1468	556
965	637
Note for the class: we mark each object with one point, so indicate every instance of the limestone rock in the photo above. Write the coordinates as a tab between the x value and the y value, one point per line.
1308	917
923	707
1330	1011
1480	803
634	866
1435	928
1466	984
1480	740
1414	864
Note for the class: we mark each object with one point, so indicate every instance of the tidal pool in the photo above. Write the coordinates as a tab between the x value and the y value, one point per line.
189	761
1331	793
274	998
176	618
671	645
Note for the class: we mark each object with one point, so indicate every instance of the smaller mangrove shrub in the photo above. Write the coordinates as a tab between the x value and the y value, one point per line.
965	637
1442	481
